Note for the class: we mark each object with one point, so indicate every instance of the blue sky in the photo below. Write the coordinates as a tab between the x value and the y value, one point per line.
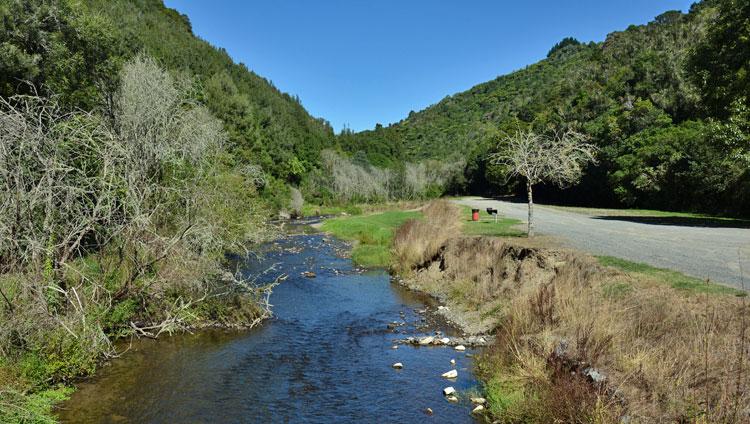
362	62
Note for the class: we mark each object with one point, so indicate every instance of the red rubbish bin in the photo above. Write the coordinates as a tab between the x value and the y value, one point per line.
475	214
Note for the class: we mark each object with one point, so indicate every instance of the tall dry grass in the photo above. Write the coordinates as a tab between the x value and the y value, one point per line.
668	355
420	240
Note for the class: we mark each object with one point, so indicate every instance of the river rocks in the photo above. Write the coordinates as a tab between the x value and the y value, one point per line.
478	400
478	409
451	398
453	362
428	411
308	274
424	341
449	391
463	342
394	347
460	348
398	365
450	374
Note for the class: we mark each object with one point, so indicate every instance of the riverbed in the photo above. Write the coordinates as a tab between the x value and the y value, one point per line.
326	355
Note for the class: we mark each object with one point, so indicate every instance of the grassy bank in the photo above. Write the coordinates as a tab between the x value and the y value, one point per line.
583	339
373	234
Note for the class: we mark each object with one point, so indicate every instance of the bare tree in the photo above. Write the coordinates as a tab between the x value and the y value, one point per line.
558	159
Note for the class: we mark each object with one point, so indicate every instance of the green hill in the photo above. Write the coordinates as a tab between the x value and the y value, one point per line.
636	94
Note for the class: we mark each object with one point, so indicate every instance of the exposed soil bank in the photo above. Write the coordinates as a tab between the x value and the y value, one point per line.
579	342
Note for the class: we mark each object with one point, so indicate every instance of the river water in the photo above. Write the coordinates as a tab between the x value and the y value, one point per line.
326	356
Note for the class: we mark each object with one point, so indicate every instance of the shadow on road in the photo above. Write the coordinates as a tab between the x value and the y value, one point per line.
682	221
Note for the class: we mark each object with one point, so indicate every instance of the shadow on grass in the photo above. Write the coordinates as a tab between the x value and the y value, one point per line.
682	221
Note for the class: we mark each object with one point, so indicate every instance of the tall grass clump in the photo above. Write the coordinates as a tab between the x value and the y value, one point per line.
420	240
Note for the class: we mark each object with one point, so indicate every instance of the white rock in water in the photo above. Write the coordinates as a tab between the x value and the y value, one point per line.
426	340
453	362
398	365
460	348
450	374
449	391
445	340
451	398
394	347
478	409
478	400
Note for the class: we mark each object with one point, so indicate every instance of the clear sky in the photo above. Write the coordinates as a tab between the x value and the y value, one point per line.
362	62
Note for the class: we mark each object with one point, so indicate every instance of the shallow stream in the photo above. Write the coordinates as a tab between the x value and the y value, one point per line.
326	356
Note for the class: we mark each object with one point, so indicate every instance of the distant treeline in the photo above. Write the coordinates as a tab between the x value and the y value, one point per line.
666	103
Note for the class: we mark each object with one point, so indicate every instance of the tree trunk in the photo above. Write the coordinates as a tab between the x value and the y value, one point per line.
530	194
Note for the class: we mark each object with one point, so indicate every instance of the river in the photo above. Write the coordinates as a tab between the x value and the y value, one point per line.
326	356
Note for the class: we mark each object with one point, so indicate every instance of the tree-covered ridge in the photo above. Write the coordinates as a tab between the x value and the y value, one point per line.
74	49
642	97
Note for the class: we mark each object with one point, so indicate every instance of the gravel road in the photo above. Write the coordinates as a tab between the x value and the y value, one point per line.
704	251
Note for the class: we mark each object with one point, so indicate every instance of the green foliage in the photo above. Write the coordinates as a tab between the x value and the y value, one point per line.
35	408
562	44
721	61
635	96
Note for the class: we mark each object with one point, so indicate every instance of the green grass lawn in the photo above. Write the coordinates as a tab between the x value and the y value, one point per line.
486	226
373	234
675	279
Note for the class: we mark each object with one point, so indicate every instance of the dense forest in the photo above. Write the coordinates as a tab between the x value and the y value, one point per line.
665	102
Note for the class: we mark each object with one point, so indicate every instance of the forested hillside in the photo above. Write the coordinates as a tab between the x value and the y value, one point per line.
665	102
74	49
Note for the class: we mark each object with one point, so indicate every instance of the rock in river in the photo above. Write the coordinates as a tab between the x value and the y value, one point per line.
460	348
449	391
398	365
478	400
424	341
478	409
450	374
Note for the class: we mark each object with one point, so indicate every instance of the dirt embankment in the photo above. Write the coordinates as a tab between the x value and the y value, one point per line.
576	341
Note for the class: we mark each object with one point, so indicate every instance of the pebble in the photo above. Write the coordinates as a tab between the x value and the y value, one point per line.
398	365
453	362
428	411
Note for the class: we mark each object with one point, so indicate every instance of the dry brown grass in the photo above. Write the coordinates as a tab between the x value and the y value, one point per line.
420	240
668	355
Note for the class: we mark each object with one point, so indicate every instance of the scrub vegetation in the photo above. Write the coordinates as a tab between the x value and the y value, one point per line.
114	226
